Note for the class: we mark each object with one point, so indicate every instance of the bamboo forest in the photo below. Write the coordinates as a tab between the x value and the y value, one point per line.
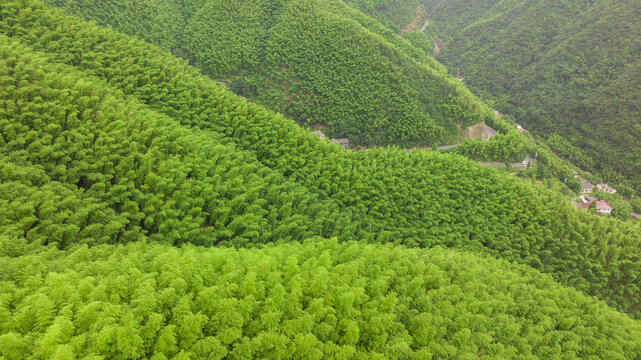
165	194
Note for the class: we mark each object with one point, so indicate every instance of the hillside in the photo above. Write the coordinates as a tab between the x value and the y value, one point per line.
138	197
316	61
312	301
567	70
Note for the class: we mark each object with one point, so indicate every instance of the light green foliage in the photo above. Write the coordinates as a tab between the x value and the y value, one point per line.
299	301
122	168
170	156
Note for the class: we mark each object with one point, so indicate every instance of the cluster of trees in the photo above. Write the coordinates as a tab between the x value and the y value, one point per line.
394	14
315	300
552	66
508	148
316	61
170	155
163	180
360	86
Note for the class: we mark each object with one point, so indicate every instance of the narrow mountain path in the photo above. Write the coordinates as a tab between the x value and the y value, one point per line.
427	22
447	147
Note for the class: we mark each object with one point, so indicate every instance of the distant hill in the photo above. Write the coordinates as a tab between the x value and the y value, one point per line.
567	70
317	61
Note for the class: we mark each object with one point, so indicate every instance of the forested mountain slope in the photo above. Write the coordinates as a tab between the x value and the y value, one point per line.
317	61
275	181
124	172
316	300
568	70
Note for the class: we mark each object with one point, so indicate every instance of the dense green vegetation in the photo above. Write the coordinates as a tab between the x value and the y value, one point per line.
317	61
566	70
146	211
217	41
314	301
420	199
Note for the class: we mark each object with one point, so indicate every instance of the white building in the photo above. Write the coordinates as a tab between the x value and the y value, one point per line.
586	186
603	208
606	188
319	133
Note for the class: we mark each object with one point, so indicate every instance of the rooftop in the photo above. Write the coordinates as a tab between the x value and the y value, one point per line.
586	184
603	205
606	187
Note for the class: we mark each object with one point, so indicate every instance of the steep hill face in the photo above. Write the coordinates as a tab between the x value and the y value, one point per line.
317	61
566	69
147	212
169	155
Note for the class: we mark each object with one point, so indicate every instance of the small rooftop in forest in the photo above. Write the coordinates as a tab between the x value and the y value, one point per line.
602	207
586	186
344	142
607	188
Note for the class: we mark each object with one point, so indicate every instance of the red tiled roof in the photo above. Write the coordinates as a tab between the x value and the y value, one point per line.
603	205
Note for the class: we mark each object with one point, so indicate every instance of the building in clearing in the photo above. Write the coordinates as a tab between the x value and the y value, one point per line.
344	142
603	208
634	215
588	199
319	133
460	78
606	188
497	113
586	186
520	128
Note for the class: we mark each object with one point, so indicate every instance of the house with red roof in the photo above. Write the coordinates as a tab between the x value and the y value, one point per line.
603	208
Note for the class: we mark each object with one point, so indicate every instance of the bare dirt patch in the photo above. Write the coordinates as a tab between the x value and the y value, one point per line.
438	45
476	131
412	26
